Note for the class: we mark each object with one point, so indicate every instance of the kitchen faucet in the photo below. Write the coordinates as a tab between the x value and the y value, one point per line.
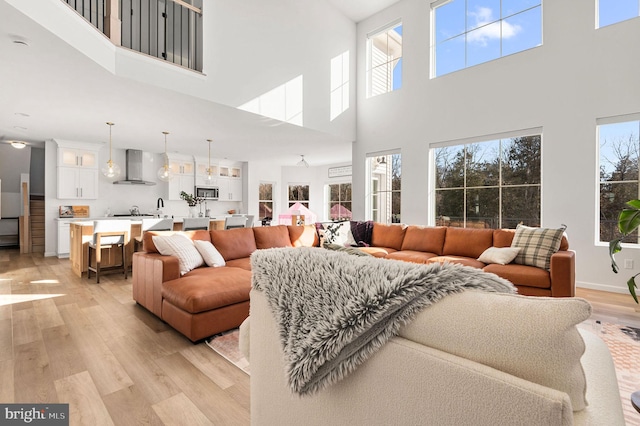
160	202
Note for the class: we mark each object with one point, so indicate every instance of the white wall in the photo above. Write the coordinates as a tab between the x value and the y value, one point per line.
577	76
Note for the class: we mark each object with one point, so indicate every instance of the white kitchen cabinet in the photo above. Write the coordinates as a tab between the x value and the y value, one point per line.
231	171
64	238
202	164
230	189
183	170
77	170
77	183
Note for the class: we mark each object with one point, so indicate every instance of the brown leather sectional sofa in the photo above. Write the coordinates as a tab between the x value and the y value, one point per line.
208	300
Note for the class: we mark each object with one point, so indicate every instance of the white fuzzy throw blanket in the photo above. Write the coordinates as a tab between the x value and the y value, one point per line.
334	310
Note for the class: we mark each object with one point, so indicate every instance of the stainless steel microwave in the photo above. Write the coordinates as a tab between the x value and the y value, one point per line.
207	192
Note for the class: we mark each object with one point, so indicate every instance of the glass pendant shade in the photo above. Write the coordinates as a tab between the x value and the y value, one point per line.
164	172
302	162
209	179
111	170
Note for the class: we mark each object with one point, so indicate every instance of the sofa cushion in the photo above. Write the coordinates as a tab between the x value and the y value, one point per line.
521	275
428	239
209	253
205	289
303	236
537	245
499	255
378	251
410	256
242	263
534	338
180	246
460	260
388	235
467	242
149	246
234	243
272	236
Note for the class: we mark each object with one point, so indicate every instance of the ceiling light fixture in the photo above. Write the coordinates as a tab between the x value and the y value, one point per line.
209	178
164	172
302	162
111	170
18	144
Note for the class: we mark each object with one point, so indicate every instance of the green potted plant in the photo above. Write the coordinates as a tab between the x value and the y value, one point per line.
191	201
628	222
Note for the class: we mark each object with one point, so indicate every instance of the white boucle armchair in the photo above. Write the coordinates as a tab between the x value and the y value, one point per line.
471	359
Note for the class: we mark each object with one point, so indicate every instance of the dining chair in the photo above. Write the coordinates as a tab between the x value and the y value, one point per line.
195	223
235	222
152	224
108	234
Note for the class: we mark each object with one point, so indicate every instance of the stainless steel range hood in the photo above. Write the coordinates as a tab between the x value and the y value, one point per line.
134	169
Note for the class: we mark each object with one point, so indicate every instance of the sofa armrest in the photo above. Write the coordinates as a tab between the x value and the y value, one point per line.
150	270
563	274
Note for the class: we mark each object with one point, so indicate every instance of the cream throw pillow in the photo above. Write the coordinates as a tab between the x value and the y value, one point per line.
180	246
499	255
209	253
534	338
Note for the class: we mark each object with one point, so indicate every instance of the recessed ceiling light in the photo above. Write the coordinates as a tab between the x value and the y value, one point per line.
18	144
19	128
22	114
20	42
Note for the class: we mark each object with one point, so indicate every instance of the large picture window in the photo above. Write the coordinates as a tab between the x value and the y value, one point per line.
470	32
613	11
493	184
339	197
299	194
619	180
385	184
384	60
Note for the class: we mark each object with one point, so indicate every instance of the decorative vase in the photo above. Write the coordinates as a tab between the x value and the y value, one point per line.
192	211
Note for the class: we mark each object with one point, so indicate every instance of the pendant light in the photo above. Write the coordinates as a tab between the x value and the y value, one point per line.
164	172
209	178
303	162
111	169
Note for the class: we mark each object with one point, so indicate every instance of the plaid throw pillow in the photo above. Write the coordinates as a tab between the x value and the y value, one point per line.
537	245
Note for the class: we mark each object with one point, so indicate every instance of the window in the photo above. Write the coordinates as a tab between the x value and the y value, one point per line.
470	32
339	84
494	184
339	207
384	60
613	11
619	180
299	194
265	201
385	178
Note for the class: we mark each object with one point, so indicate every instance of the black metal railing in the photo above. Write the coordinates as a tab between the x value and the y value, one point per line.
166	29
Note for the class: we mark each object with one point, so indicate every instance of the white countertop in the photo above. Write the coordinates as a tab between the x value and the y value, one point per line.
132	218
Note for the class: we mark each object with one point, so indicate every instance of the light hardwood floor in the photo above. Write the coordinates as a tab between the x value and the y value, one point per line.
68	339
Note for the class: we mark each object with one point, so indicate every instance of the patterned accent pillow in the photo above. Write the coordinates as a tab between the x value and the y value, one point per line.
537	245
180	246
209	253
335	233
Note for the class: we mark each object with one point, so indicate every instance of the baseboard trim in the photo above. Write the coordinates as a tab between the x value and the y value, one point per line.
603	287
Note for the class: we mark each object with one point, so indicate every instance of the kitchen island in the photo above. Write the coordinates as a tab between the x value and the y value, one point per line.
81	233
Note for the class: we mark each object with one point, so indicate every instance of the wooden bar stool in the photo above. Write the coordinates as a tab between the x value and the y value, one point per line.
195	223
108	234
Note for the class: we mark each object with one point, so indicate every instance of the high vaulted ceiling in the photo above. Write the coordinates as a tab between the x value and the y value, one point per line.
49	91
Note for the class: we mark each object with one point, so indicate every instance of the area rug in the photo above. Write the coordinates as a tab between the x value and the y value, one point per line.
226	344
624	345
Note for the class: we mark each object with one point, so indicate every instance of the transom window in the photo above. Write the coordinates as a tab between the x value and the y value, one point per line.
470	32
619	180
299	194
385	185
339	197
613	11
493	184
384	60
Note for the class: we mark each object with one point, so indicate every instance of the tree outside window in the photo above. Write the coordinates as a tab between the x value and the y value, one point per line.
619	177
339	207
385	177
265	201
299	194
493	184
